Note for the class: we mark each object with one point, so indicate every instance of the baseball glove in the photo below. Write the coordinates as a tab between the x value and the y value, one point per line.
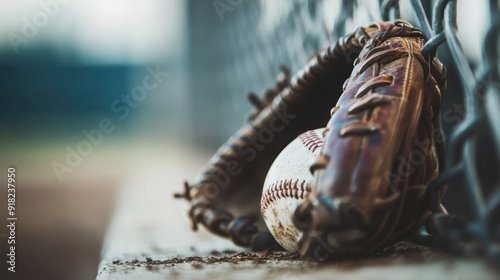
225	198
382	148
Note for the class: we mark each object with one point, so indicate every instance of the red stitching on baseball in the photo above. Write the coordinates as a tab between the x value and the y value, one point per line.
282	189
311	140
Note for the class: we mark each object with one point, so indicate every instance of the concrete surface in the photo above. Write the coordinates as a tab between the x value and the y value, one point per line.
150	238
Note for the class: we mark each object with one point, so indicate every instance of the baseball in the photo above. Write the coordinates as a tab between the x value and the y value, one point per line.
287	183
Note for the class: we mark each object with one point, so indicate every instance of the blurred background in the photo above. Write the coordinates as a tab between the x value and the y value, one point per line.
144	78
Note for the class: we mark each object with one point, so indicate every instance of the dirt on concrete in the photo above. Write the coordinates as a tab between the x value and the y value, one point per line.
403	251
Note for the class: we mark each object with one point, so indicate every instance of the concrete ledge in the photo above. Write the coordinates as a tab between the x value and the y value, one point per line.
150	238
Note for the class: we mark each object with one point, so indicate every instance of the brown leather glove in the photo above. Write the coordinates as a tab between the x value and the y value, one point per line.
225	197
382	148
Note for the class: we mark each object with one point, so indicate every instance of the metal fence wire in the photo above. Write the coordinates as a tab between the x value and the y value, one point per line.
296	29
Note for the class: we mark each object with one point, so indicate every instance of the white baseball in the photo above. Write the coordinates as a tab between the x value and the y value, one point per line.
287	183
